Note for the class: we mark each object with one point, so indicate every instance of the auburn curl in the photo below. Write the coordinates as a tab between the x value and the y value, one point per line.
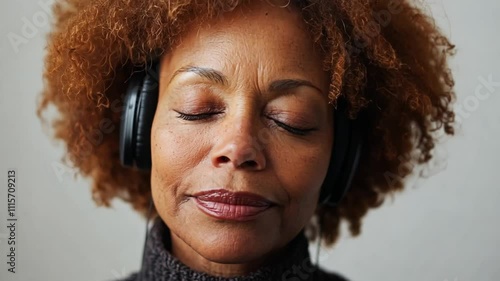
387	58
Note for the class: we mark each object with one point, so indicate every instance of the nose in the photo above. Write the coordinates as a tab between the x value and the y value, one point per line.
239	147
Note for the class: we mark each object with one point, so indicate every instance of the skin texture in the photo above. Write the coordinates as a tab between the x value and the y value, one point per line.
386	58
241	147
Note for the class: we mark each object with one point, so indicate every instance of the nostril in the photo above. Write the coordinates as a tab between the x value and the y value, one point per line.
251	164
224	159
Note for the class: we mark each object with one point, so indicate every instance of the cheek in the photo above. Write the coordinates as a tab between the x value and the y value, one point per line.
174	156
303	172
166	152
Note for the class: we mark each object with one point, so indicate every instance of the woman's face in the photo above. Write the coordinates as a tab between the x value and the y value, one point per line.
265	127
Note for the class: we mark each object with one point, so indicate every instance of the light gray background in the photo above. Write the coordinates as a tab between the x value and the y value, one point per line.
442	228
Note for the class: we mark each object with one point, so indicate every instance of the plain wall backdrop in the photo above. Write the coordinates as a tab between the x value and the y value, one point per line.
444	228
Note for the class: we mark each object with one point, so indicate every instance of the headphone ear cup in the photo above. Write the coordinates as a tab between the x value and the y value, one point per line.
146	109
128	120
140	104
344	158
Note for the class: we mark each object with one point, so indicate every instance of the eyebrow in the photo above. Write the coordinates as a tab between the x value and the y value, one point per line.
218	78
208	73
288	84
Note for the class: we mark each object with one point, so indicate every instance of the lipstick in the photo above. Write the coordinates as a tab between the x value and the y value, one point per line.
227	205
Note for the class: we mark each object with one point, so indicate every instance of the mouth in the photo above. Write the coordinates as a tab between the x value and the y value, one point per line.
227	205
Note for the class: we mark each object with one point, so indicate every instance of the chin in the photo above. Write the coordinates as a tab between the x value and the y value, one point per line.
227	254
234	244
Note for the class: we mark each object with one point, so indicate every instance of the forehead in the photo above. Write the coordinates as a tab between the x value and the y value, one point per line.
257	35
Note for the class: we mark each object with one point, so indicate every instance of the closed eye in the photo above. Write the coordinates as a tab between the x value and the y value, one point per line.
195	117
293	130
206	115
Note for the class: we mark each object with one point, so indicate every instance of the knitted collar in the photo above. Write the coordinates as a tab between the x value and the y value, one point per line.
159	264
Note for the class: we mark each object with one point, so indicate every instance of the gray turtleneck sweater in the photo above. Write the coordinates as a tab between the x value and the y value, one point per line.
160	265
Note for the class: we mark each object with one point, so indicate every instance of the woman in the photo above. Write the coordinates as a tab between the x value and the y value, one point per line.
245	140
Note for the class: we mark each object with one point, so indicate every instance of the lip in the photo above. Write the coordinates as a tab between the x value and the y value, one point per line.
238	206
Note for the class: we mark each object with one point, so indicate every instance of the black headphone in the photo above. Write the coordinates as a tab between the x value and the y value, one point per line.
140	103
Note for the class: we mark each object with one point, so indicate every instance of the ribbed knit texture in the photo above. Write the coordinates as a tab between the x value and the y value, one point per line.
160	265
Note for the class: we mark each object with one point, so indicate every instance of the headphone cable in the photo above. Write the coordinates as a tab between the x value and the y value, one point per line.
141	274
318	245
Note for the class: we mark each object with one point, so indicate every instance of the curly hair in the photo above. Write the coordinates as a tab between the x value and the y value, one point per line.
387	59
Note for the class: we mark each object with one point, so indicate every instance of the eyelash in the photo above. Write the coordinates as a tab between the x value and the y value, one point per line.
196	117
